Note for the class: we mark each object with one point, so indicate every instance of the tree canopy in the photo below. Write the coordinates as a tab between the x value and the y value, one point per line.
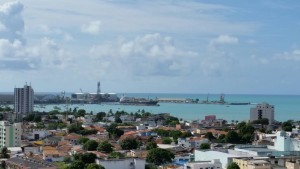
90	145
233	165
105	147
159	156
129	144
151	145
94	166
205	146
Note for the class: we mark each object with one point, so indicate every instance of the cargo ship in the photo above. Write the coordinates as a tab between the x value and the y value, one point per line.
138	101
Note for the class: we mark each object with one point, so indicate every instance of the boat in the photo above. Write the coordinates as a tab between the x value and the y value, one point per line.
239	103
138	101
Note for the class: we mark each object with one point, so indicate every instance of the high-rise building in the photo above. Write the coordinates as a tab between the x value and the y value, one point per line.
10	134
261	111
24	100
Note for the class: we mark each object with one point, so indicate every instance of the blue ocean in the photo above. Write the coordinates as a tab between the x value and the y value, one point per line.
286	106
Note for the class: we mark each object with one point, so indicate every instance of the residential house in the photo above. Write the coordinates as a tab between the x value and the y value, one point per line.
192	142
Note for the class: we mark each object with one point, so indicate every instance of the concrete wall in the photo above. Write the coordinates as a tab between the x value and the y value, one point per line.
128	163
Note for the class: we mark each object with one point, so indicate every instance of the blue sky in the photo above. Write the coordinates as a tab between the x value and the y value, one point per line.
180	46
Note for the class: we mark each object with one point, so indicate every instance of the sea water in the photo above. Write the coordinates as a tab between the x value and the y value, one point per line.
286	106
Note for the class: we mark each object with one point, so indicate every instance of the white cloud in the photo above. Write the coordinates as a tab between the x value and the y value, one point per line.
260	60
50	54
11	21
15	54
291	56
93	27
225	39
251	41
68	37
151	54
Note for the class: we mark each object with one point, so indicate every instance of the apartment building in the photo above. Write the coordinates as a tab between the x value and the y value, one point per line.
10	134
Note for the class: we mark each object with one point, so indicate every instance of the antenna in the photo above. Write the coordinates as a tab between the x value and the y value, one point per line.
98	97
98	88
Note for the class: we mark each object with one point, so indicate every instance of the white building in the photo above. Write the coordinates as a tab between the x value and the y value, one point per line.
10	134
24	100
127	163
192	142
261	111
284	142
213	164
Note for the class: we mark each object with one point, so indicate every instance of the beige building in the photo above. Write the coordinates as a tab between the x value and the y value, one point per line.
261	111
287	162
293	164
10	134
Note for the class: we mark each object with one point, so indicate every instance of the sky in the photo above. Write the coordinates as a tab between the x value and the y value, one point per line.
157	46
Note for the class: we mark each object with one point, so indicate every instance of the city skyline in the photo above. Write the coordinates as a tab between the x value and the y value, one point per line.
144	46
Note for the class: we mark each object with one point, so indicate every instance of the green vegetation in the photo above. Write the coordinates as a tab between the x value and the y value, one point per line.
159	156
233	165
33	118
167	140
129	144
205	146
113	131
99	116
115	155
287	125
105	147
76	128
4	153
83	140
151	145
210	136
173	133
5	109
94	166
90	145
244	135
56	125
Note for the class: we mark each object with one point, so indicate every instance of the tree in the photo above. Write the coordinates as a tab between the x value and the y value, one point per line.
167	140
209	136
204	146
77	164
151	145
118	119
37	118
129	144
159	156
94	166
86	158
100	116
80	113
90	145
4	153
287	125
105	146
232	137
116	155
75	128
83	140
233	165
114	131
67	159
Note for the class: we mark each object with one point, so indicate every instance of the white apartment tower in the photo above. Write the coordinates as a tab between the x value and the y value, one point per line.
261	111
24	100
10	134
